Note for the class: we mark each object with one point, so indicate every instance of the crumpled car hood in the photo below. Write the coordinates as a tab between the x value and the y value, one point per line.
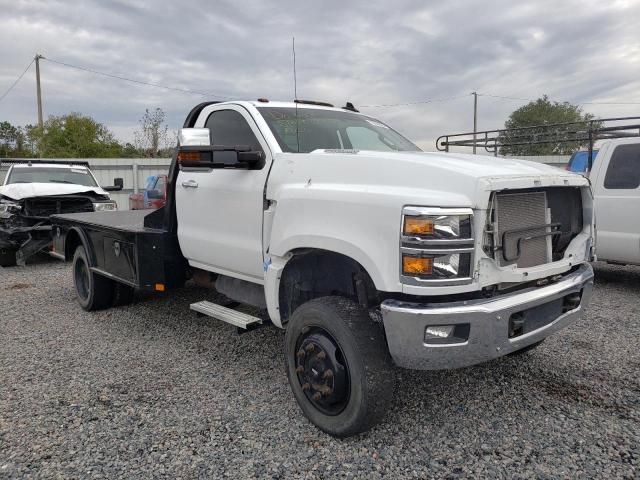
18	191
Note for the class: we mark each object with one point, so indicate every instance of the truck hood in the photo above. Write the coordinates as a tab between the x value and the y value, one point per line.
18	191
444	179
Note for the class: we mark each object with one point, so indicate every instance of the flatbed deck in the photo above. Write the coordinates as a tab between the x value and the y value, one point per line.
127	220
120	247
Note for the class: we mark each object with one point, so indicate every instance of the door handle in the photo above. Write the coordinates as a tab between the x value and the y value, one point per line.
190	184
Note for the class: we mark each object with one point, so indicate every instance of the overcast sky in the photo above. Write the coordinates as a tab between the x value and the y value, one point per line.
369	52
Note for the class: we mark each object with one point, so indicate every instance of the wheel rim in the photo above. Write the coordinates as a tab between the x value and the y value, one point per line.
81	278
322	371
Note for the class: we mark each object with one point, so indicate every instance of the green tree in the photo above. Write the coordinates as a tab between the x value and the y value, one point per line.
15	141
544	112
75	136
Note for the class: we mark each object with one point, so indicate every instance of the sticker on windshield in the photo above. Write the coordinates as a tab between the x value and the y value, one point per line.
378	124
75	170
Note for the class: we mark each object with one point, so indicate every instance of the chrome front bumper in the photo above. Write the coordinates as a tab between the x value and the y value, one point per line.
488	323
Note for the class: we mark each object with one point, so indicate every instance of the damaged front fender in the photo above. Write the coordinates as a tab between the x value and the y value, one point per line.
20	236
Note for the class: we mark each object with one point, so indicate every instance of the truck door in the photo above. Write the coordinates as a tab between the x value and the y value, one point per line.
617	203
220	211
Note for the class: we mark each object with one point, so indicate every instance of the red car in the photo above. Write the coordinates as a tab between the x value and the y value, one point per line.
154	195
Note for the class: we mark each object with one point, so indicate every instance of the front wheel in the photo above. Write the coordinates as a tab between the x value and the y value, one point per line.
94	292
338	366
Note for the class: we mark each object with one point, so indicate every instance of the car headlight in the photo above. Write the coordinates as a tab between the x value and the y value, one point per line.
436	246
8	208
442	225
436	266
104	206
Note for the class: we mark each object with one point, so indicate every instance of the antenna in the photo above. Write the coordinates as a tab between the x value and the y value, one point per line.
295	92
295	80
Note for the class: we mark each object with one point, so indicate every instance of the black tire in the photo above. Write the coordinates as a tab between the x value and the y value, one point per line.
7	257
526	349
94	292
360	357
122	294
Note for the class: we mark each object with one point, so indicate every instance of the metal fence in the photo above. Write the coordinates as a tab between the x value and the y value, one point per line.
135	171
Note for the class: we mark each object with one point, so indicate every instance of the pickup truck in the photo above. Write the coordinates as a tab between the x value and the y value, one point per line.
154	195
615	179
35	189
370	253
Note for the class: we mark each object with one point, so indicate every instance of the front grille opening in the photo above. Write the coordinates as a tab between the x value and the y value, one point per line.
532	227
46	206
527	321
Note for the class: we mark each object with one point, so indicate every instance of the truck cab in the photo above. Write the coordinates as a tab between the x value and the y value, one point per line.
370	253
615	178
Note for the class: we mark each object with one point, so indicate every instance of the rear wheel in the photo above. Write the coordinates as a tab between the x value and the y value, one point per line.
7	257
94	292
338	366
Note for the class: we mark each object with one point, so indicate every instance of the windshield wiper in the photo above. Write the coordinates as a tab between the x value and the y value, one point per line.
61	181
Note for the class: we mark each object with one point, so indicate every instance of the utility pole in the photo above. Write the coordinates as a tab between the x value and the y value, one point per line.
475	119
39	91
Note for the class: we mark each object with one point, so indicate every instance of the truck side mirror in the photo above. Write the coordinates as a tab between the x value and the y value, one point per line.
194	137
252	159
118	184
218	156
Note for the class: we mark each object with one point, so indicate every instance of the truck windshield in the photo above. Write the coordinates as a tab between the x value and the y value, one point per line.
73	176
311	129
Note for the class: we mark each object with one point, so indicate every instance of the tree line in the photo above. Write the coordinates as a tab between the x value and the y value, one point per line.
79	136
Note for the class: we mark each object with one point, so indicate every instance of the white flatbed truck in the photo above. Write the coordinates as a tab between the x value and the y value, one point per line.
370	253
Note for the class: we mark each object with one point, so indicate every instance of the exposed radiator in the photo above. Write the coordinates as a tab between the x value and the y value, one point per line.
522	218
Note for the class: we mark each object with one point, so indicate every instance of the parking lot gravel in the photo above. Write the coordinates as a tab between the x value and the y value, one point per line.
153	391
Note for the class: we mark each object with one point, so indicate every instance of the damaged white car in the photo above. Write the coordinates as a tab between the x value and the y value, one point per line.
35	189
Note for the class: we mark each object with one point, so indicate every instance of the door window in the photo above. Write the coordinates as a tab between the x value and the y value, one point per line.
229	128
623	172
161	184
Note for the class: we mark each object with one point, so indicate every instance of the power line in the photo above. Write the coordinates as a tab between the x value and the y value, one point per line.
421	102
17	80
520	99
139	82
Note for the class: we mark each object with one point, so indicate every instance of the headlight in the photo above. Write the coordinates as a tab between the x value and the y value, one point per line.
436	266
8	208
436	246
439	225
104	206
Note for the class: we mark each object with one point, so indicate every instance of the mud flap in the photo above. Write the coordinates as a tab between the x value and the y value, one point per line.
7	257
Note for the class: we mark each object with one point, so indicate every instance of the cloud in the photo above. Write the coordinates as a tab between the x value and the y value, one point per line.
369	53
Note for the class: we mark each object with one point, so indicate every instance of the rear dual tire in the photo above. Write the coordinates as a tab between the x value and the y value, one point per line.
95	291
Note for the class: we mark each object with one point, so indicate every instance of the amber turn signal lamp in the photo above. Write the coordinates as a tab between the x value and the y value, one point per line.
417	265
417	226
159	287
185	157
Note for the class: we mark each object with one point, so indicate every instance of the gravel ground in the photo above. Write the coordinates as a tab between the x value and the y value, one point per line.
151	390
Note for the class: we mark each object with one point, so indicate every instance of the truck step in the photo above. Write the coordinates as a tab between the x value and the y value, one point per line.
239	319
